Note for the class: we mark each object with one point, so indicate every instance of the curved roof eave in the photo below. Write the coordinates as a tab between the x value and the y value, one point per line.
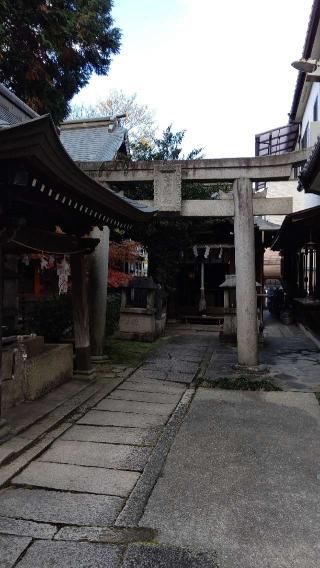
37	140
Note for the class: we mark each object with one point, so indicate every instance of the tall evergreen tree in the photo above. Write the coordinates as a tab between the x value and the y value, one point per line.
166	148
50	48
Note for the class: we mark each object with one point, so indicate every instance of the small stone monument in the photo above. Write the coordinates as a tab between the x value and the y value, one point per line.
143	310
229	331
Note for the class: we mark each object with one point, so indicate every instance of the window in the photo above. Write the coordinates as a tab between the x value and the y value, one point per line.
307	270
304	139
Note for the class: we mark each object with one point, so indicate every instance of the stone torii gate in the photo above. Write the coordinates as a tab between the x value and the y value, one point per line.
243	204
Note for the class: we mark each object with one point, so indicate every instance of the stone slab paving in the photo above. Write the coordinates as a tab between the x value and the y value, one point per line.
113	435
138	407
27	528
22	415
67	492
60	554
172	365
105	534
189	356
115	456
242	479
185	378
151	386
177	361
141	396
292	358
11	547
128	419
78	478
11	447
59	507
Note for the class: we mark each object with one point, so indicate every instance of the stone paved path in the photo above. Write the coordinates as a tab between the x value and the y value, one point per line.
68	507
292	358
239	488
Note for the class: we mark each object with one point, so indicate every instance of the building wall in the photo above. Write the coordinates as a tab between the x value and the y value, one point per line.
308	112
300	199
310	130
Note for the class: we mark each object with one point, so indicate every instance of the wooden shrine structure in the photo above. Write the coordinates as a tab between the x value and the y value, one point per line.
41	188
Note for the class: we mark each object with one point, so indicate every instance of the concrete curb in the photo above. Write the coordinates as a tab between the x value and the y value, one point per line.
135	505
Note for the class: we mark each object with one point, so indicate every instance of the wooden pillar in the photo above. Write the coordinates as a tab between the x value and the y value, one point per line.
98	290
247	332
81	315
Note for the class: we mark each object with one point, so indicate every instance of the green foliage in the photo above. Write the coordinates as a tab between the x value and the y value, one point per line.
204	190
49	49
53	318
164	239
131	353
166	148
113	312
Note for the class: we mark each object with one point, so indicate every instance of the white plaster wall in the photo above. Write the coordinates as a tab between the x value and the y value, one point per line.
308	113
300	199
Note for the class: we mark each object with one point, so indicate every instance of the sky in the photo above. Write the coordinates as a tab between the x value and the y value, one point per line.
220	69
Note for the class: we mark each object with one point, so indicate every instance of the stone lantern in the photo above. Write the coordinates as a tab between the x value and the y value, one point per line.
143	310
229	331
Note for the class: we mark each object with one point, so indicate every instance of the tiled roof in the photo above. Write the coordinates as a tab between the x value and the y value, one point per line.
12	109
265	225
93	144
37	142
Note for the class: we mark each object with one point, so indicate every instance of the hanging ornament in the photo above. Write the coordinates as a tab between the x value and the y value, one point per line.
63	272
207	251
195	250
26	260
51	261
43	262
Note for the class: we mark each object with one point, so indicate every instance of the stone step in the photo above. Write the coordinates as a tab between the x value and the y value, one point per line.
152	408
151	386
51	415
11	548
60	507
113	434
78	478
71	554
141	396
115	456
128	419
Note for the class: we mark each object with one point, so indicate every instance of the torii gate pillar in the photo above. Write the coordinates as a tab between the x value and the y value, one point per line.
247	330
98	290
